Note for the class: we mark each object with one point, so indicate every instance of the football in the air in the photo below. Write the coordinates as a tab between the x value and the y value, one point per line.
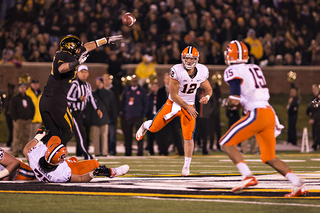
128	19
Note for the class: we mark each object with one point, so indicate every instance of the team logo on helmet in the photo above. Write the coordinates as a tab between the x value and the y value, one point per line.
70	43
236	53
190	57
56	152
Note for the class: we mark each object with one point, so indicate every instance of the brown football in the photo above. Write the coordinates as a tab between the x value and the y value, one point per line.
128	19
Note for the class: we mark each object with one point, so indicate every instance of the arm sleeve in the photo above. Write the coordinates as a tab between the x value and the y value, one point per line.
235	87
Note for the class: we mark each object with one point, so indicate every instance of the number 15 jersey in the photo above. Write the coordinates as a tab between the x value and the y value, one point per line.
254	92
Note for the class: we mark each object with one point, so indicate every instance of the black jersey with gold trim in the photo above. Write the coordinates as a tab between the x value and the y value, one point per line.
59	83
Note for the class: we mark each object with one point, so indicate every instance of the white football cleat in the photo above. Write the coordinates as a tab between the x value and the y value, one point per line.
246	182
121	170
298	190
141	132
185	171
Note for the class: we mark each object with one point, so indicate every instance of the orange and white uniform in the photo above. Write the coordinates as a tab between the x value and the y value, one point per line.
187	91
63	171
260	119
24	172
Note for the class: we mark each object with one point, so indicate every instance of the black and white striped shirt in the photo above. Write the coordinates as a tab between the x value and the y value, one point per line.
79	88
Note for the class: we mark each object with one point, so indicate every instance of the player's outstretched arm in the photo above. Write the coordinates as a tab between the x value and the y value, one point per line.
10	162
99	42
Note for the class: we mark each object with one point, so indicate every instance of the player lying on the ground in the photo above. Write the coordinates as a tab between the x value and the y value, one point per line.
248	89
49	165
14	169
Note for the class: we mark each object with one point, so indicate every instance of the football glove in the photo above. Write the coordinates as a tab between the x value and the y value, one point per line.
224	102
40	133
111	40
83	57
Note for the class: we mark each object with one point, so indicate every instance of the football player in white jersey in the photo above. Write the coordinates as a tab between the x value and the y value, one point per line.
185	79
49	165
248	89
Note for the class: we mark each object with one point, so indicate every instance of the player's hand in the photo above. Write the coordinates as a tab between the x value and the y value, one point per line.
100	114
204	100
311	121
192	111
224	102
83	57
111	40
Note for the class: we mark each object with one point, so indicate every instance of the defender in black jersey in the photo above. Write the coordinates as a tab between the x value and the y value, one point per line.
53	103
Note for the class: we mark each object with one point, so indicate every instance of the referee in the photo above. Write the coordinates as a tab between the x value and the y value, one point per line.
78	97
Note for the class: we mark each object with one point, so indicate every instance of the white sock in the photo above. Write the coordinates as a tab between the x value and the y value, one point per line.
293	179
187	162
244	169
147	124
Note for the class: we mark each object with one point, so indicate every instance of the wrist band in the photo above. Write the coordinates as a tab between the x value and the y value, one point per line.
4	173
101	41
91	174
73	65
207	96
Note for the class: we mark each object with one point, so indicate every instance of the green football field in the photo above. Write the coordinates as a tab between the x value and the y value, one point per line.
154	184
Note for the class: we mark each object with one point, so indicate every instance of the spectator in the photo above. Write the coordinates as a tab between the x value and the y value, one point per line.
114	97
215	116
203	120
134	107
100	125
152	111
292	107
35	94
145	69
6	105
176	17
22	111
256	49
314	114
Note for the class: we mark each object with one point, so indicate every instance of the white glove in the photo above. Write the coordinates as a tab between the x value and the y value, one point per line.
111	40
224	102
83	57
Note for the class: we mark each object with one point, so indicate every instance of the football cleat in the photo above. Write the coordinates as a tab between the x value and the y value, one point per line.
141	132
246	182
121	170
298	190
185	171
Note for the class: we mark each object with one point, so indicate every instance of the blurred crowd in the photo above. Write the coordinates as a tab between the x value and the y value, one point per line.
277	32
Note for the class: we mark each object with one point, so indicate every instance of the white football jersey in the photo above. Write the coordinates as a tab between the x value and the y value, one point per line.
61	174
188	86
254	91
